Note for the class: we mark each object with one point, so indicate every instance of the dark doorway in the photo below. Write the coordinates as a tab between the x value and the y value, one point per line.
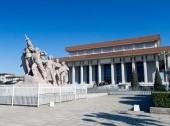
118	73
107	73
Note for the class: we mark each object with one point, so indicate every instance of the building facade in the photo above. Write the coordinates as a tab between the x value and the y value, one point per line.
114	61
10	77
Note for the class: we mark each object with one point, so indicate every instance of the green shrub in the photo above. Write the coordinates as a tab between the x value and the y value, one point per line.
158	82
1	82
134	81
161	99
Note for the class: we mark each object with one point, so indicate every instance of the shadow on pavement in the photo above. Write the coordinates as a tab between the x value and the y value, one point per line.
107	119
145	102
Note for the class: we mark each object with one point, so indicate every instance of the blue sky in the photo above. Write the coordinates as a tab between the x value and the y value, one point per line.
54	24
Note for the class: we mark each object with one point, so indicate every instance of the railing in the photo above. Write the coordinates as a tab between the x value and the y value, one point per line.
148	84
130	93
36	95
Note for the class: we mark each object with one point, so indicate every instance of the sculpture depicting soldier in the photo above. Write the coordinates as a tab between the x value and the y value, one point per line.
39	63
63	71
57	65
26	57
50	68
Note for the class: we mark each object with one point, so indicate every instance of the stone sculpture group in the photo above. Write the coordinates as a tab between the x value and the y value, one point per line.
41	71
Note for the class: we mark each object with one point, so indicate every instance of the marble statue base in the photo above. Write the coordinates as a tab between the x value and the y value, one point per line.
33	80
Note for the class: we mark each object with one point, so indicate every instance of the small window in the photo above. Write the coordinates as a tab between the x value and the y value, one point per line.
139	46
149	44
97	50
81	52
128	47
73	53
90	51
108	49
119	48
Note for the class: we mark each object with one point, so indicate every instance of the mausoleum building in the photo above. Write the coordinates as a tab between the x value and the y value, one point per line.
113	61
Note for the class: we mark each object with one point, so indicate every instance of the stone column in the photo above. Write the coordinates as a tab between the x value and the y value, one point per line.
168	61
168	67
81	73
145	70
112	73
73	74
157	62
133	63
123	70
99	73
90	73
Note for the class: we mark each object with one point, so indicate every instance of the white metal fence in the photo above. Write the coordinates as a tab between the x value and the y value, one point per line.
130	93
36	95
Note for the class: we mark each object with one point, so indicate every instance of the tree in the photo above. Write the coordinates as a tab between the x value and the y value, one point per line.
1	82
158	82
134	81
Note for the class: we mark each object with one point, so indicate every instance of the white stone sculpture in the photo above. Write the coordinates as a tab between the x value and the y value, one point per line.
57	66
27	56
63	71
50	68
39	62
38	70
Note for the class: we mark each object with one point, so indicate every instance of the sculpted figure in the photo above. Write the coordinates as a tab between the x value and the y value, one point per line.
39	63
50	68
63	73
57	65
43	54
23	64
28	60
26	57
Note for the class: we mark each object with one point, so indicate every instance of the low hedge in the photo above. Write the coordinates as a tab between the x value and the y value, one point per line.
161	99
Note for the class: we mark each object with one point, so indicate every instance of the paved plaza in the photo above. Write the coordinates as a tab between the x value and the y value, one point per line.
112	110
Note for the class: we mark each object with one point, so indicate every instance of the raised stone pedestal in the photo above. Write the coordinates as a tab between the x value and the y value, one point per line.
33	80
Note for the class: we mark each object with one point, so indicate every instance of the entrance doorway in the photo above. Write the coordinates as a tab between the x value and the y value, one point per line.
107	73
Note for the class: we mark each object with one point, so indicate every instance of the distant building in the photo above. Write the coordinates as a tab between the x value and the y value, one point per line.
113	61
9	77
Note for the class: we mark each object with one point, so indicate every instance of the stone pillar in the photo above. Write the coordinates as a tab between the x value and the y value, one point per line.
112	73
90	73
123	70
73	74
81	74
168	68
157	62
145	69
168	61
133	63
99	73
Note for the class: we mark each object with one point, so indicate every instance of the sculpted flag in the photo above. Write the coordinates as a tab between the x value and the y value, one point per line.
29	43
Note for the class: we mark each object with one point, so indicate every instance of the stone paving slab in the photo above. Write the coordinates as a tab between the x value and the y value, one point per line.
99	111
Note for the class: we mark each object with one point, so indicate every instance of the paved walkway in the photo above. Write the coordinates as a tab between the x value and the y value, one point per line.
100	111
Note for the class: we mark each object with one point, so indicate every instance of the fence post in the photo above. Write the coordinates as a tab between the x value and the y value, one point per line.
38	96
60	93
12	96
75	93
